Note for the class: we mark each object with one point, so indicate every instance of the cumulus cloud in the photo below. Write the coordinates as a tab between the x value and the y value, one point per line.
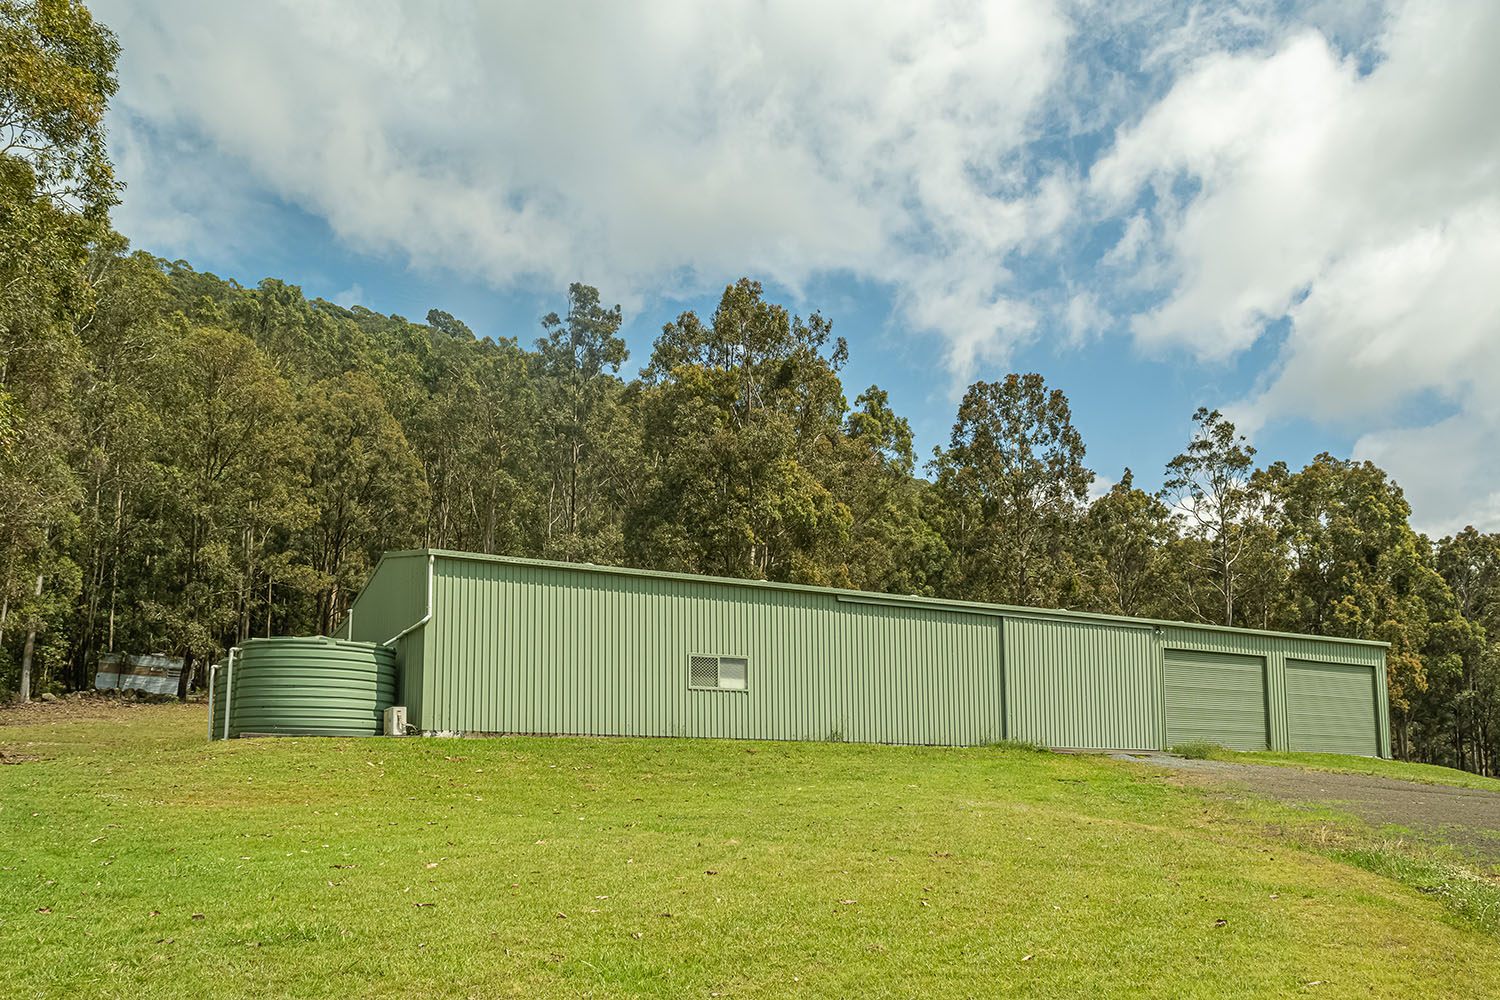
1324	175
1359	205
633	145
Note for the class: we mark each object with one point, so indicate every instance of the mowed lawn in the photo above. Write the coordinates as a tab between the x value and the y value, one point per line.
140	861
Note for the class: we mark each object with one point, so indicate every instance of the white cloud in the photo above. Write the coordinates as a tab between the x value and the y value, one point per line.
1361	207
352	296
1333	171
633	146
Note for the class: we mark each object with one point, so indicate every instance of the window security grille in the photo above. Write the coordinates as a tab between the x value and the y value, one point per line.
703	671
721	673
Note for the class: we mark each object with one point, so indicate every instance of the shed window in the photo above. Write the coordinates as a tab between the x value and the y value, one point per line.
719	673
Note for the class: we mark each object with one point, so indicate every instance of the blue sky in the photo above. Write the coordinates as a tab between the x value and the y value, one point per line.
1289	211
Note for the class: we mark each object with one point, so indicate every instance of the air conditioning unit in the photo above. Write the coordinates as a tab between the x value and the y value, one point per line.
395	721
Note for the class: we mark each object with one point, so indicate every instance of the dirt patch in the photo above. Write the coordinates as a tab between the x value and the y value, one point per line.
1467	818
79	706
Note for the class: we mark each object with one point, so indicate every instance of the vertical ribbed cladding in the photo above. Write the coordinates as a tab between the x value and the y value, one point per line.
307	687
1083	685
526	648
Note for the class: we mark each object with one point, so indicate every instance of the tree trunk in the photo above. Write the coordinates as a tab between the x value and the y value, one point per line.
114	563
185	680
27	651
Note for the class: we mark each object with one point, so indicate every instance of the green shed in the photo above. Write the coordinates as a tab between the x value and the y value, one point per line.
491	644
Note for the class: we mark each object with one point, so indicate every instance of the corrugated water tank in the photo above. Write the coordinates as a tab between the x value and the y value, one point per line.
314	686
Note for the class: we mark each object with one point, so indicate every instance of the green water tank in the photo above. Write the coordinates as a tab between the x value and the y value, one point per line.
294	686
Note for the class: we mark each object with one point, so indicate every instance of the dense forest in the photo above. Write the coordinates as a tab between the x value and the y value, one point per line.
186	462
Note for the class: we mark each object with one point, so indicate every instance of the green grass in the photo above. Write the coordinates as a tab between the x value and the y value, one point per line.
672	868
1429	774
1198	751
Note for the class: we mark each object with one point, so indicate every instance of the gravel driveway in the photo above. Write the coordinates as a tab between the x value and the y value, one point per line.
1466	817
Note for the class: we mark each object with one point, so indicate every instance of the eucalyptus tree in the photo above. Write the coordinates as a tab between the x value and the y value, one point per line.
125	350
738	419
57	73
1124	535
1469	562
577	365
1014	483
894	544
364	488
231	476
1212	487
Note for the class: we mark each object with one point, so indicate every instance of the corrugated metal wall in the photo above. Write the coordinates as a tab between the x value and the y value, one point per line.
1083	685
518	646
394	597
548	649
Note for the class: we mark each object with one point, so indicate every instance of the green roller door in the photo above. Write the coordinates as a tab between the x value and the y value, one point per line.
1216	698
1330	708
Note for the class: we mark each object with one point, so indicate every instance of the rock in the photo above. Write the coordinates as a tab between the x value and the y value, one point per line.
48	696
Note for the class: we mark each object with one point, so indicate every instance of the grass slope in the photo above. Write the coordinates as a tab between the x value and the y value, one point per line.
140	862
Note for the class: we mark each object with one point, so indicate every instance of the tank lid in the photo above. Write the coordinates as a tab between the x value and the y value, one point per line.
318	641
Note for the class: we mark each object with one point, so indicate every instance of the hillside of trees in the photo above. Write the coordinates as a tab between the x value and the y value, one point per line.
185	462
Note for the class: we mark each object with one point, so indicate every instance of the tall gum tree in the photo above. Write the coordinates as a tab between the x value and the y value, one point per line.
1212	487
57	73
1014	483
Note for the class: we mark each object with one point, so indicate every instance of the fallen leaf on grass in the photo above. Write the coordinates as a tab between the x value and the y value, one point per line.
1221	922
1028	958
197	916
424	904
44	909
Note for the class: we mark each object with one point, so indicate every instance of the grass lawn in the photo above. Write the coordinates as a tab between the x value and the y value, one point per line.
1430	774
141	862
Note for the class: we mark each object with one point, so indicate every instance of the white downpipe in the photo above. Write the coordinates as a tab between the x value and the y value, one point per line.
228	687
424	619
211	668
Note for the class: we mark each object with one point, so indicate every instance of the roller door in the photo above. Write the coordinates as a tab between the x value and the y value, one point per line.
1216	698
1330	708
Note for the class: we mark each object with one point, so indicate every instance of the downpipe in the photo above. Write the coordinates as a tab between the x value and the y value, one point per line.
228	688
212	667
